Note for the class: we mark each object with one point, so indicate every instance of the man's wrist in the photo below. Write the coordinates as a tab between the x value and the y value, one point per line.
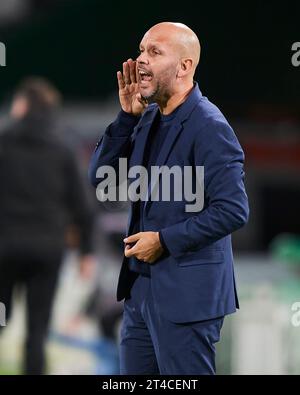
124	125
128	116
162	242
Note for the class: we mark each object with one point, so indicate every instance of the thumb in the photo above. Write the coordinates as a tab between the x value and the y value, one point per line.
141	99
132	238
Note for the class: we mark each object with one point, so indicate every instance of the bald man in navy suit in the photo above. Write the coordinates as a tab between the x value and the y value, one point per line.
177	276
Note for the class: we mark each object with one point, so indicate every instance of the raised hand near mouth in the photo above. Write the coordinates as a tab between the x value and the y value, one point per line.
130	98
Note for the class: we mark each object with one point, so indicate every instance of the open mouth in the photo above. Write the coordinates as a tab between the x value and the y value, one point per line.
145	76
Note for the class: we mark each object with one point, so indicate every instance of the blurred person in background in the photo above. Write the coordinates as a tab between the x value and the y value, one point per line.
42	195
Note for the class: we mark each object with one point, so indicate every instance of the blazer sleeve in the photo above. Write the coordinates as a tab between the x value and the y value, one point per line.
227	209
114	144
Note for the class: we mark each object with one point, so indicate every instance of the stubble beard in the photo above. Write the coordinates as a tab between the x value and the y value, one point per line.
159	95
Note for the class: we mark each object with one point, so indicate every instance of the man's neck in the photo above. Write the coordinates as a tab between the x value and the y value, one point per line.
175	100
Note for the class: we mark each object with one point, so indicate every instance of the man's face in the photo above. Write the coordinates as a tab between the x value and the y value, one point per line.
157	67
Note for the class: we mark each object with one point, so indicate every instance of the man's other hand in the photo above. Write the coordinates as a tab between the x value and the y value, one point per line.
147	247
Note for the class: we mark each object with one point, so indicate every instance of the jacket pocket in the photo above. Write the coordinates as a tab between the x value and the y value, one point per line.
201	257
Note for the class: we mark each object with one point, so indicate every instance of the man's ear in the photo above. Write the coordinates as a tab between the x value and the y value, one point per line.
185	67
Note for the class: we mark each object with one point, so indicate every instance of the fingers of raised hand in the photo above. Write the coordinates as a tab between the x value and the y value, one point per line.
121	82
129	72
132	70
126	74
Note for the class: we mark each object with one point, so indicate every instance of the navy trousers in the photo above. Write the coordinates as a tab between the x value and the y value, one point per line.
150	344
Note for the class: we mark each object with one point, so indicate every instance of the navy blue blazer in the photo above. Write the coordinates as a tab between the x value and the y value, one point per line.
195	281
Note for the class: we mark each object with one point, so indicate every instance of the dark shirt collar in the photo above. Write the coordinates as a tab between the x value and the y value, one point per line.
187	106
182	112
169	117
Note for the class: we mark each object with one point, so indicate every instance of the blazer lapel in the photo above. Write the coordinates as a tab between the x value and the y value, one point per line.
168	144
137	155
141	139
184	112
163	155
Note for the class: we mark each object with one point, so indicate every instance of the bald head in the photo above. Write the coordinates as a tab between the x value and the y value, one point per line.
181	37
169	55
